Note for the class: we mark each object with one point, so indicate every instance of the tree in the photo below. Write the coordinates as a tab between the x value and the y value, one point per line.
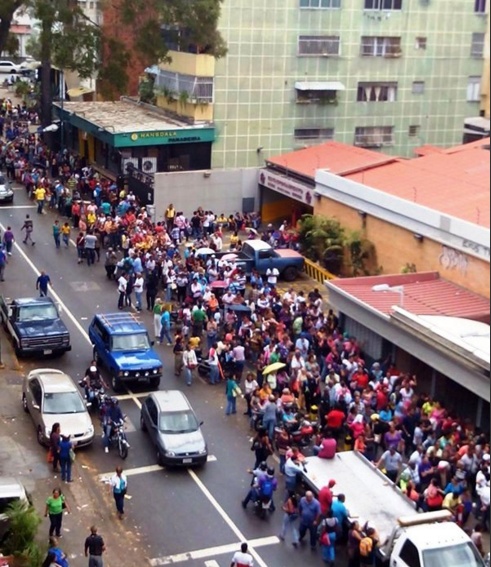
7	11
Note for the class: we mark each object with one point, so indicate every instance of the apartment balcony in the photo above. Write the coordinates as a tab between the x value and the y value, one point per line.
194	64
193	109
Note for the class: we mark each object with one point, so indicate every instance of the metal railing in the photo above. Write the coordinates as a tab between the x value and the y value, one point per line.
316	272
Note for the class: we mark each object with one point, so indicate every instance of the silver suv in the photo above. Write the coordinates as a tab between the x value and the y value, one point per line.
50	397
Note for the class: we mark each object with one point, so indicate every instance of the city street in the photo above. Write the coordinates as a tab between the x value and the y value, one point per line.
192	518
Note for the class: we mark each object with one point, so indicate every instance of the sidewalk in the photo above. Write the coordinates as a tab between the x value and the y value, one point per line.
90	501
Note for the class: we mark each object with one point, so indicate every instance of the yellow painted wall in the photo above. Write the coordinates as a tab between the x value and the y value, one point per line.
276	210
197	112
190	64
396	246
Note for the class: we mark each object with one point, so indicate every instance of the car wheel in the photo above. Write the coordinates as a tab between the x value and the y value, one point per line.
25	407
122	449
290	274
160	460
40	436
143	425
116	384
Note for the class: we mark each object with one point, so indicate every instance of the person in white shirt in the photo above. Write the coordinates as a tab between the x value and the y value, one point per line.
242	558
122	285
138	289
119	485
272	275
190	362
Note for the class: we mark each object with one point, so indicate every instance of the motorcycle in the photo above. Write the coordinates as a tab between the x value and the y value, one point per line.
118	439
95	397
262	505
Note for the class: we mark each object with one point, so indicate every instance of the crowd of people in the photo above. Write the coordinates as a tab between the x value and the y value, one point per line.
282	350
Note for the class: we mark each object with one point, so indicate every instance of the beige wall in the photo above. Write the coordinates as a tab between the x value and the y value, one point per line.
396	246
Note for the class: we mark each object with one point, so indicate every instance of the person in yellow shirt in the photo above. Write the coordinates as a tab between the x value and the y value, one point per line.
65	233
170	215
40	196
91	218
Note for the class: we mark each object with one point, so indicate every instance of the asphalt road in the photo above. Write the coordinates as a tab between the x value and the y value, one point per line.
191	518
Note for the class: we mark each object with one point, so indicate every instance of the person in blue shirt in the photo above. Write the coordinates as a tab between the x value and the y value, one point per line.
165	327
310	513
110	414
42	284
341	513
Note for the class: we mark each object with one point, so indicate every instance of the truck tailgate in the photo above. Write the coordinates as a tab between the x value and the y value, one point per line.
370	495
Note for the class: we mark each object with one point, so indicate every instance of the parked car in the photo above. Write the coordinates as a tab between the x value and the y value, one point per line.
11	490
174	429
122	345
6	192
11	67
50	396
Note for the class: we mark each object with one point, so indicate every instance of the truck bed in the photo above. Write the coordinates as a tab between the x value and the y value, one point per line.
370	495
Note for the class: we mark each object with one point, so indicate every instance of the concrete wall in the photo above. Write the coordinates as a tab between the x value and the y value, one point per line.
221	191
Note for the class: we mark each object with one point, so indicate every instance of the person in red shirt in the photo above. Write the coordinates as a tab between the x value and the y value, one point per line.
326	446
325	497
335	419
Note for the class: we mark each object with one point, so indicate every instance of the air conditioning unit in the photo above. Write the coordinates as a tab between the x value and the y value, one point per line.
149	164
130	163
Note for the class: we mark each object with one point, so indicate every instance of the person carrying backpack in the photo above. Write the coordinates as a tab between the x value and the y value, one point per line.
368	545
326	532
267	484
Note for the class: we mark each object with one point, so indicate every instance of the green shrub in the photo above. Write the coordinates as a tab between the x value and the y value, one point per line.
24	522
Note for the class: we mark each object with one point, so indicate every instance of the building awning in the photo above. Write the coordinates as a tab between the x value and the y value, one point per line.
320	86
79	91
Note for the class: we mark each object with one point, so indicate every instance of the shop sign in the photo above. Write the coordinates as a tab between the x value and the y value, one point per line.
161	137
286	186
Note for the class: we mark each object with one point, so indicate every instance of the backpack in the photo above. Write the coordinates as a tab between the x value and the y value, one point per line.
366	546
267	488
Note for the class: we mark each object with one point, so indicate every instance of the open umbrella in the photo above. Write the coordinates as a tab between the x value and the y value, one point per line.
229	257
238	307
204	251
253	230
219	284
273	367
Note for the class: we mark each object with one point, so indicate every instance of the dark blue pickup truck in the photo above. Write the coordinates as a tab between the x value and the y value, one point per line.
35	326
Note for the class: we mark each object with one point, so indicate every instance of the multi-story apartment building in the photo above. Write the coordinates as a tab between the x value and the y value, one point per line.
389	74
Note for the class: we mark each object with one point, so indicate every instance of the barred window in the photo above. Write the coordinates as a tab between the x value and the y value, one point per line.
313	133
477	45
377	46
318	45
322	4
376	92
383	4
374	136
200	88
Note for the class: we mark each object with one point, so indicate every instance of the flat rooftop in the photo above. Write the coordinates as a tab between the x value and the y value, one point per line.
123	117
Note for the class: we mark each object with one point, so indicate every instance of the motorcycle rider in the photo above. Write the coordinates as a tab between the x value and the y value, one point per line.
93	381
267	484
111	415
253	493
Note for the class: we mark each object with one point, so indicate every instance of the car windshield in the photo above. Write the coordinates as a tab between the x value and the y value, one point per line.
63	402
463	555
138	341
37	313
178	422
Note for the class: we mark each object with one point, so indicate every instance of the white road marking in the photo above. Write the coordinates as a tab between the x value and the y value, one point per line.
124	397
213	551
7	207
226	518
53	293
147	469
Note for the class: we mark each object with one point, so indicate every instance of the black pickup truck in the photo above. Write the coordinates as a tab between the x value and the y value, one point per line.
35	326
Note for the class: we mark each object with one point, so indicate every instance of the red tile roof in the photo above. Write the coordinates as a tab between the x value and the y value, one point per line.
455	182
339	158
424	293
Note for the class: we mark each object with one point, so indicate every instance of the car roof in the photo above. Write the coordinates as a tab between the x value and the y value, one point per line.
440	535
53	381
171	400
10	486
33	301
121	323
258	244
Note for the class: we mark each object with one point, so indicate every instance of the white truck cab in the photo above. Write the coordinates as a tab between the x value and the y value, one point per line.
428	540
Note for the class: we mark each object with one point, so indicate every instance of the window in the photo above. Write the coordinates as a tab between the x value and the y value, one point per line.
318	45
414	130
320	3
480	6
477	45
383	4
313	134
374	136
409	554
418	87
474	89
374	46
421	42
376	92
199	88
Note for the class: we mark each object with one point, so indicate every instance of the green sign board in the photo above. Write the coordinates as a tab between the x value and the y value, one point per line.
160	137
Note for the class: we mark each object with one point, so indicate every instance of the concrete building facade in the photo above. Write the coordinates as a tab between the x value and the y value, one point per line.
383	74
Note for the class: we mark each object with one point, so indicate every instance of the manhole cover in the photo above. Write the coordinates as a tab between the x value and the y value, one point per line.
85	286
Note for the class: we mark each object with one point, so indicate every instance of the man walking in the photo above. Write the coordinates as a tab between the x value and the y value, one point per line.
90	246
3	263
242	558
119	484
40	196
28	227
42	284
122	287
57	233
310	514
8	240
138	289
94	548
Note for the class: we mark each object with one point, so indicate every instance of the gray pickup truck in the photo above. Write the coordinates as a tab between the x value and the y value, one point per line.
35	326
